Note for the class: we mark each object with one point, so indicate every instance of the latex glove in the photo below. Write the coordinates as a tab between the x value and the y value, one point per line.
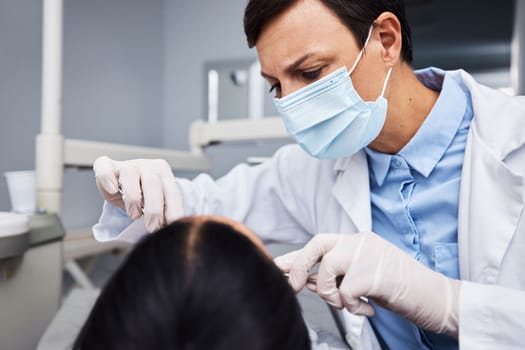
374	268
141	187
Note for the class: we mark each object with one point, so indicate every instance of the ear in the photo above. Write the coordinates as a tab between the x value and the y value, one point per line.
390	35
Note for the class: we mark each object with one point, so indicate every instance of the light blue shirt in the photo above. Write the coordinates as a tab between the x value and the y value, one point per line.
415	196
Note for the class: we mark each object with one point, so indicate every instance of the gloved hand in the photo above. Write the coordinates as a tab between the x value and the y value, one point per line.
142	187
374	268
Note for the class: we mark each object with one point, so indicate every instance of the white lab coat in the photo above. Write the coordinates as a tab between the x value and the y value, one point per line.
294	196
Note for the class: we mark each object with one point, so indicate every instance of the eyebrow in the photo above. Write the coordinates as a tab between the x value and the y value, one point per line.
293	67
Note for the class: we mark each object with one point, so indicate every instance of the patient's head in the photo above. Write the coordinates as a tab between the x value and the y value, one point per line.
199	283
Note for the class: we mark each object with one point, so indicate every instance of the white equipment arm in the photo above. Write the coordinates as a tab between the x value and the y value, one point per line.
54	153
81	153
204	134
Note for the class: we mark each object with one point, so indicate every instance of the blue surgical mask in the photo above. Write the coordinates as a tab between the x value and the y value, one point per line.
329	119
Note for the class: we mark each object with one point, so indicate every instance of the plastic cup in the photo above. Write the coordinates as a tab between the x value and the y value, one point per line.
22	191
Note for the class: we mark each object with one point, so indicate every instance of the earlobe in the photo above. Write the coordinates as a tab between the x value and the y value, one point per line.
390	35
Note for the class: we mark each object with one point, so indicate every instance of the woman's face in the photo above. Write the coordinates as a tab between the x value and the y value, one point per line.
308	41
237	226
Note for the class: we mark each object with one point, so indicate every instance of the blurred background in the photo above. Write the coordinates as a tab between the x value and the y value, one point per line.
138	72
135	72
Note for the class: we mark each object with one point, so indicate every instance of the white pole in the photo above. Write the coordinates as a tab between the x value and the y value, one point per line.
50	143
518	49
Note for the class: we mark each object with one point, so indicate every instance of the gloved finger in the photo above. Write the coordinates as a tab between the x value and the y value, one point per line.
358	306
106	176
326	286
354	302
366	273
153	197
308	257
284	262
311	284
335	264
129	180
174	208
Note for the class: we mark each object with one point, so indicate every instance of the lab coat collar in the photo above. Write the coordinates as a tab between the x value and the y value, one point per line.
502	118
490	206
342	163
491	194
352	190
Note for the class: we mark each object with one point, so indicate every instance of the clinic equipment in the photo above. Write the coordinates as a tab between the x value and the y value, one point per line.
235	90
518	50
21	187
54	152
30	277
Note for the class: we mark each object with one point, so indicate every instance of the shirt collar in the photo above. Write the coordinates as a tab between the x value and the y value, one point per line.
429	144
379	163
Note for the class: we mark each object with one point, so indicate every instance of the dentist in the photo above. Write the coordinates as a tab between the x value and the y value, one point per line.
409	185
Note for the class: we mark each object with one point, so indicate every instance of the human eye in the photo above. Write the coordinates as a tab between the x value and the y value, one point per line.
311	74
276	89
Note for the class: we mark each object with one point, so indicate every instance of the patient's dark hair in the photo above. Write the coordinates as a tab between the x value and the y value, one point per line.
196	286
356	15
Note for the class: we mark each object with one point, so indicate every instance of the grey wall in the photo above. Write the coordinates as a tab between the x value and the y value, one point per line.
112	86
133	73
113	62
113	70
20	41
195	32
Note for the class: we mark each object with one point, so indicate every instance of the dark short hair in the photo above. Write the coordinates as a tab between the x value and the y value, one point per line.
357	15
196	286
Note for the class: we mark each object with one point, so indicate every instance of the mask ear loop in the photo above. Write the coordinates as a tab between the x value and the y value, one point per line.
362	51
386	82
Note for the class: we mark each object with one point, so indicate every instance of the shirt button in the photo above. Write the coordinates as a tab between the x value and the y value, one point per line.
397	163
